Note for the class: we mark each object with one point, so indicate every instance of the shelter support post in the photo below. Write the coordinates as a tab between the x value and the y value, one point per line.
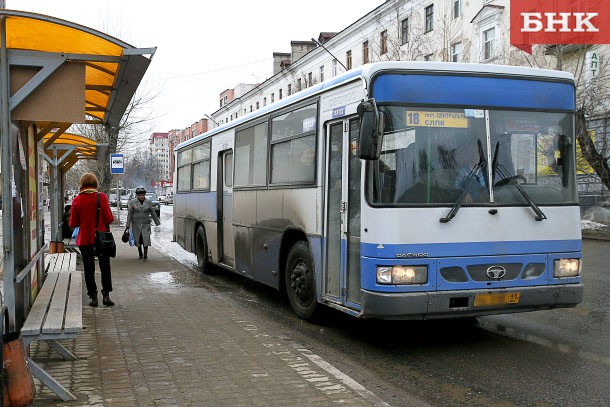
57	186
7	179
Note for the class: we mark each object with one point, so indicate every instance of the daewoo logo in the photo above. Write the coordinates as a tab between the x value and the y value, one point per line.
558	22
496	272
410	255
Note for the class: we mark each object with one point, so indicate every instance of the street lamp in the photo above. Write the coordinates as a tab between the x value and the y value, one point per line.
210	118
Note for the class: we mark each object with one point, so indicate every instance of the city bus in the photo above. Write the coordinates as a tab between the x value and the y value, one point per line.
397	190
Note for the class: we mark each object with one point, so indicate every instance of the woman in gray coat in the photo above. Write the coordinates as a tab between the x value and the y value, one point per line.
138	217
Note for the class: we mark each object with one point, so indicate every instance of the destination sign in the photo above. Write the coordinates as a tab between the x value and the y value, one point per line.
437	119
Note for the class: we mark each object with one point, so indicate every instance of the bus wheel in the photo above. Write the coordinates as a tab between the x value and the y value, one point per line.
201	250
300	281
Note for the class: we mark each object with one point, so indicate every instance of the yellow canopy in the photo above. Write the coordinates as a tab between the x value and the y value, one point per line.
113	68
65	149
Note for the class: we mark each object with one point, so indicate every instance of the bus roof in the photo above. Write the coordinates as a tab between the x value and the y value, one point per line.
455	67
368	70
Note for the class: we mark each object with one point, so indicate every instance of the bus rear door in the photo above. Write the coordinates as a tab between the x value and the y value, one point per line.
224	190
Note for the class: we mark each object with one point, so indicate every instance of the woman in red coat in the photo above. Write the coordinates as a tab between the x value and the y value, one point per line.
83	214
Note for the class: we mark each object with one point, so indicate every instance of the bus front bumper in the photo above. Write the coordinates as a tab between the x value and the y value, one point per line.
448	304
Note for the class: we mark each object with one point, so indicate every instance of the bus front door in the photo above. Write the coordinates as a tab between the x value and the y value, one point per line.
342	272
224	190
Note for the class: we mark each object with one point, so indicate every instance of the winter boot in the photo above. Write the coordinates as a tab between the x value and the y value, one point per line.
106	299
93	301
146	252
139	252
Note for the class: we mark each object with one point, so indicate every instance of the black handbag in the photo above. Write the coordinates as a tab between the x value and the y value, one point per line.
104	241
125	237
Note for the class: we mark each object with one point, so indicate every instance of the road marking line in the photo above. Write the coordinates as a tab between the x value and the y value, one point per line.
343	378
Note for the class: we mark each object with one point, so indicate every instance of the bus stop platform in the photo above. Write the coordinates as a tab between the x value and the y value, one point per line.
184	345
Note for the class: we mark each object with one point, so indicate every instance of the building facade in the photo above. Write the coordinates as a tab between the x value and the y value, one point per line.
475	31
159	150
176	137
410	30
416	30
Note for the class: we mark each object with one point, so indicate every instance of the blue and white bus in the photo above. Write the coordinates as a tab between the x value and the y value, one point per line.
398	190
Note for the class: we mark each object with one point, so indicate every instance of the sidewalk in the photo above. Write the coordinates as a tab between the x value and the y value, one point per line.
165	344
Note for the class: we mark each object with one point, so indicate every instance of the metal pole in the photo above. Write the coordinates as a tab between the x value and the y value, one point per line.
55	202
7	178
118	201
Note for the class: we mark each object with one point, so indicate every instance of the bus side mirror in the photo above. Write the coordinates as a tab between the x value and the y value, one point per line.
371	130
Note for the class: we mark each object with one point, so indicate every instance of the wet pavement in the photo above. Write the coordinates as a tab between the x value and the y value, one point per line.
173	340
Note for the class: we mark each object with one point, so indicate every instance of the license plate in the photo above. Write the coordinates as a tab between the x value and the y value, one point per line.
495	299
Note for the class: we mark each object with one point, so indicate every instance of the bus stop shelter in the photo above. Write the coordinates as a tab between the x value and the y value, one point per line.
53	73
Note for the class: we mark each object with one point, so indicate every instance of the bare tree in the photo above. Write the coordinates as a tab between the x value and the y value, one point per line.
392	43
141	170
127	137
592	106
448	33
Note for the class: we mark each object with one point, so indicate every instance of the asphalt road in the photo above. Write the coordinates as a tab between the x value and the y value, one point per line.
545	358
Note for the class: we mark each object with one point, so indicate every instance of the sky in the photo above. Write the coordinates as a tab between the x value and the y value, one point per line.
203	47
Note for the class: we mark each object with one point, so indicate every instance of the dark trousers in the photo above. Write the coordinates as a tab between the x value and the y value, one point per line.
89	265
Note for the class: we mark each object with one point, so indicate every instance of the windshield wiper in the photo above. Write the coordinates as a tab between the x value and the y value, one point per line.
463	188
512	180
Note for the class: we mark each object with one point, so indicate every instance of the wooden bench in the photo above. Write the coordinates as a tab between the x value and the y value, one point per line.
60	262
57	313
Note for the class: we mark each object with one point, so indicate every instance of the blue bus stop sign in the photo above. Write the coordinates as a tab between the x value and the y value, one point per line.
117	164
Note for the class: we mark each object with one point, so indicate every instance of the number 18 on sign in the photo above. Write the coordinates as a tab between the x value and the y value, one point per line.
117	164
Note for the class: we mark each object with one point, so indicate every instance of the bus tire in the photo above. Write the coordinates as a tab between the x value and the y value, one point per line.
201	250
300	281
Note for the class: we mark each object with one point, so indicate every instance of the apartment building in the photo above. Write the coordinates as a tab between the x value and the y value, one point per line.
159	151
432	30
440	30
176	137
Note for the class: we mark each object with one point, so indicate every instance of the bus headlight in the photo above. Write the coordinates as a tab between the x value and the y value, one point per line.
567	268
402	274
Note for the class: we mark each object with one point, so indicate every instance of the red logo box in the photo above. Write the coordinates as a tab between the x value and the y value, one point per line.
559	22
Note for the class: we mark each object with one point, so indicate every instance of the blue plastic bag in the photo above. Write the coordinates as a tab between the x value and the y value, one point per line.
75	232
132	241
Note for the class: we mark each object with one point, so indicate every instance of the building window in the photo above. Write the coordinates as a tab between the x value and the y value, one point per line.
489	37
457	8
404	31
365	52
429	18
348	59
384	42
258	105
456	52
250	108
265	101
289	89
322	73
272	97
335	67
299	85
309	79
280	94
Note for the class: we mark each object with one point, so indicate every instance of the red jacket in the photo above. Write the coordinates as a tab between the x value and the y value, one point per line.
82	214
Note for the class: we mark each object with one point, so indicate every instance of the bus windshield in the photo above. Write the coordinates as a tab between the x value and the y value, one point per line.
434	156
